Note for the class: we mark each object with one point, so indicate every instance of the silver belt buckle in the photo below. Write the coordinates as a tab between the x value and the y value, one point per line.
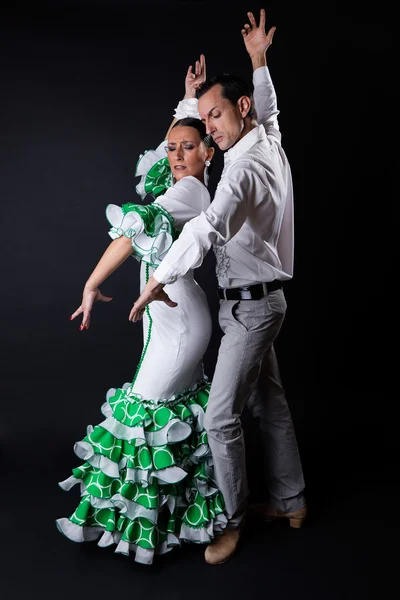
245	294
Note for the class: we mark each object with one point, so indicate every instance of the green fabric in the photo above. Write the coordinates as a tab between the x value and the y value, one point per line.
152	244
129	414
176	505
150	214
158	178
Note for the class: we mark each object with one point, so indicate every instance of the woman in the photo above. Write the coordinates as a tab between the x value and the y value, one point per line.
147	483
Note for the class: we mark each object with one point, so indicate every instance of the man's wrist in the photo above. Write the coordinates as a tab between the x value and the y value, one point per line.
259	60
156	285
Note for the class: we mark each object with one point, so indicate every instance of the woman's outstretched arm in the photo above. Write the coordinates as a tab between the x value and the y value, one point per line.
116	253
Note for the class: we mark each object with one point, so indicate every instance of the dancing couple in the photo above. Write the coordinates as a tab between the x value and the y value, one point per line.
167	464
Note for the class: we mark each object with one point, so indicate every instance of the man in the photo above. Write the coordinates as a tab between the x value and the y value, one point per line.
250	225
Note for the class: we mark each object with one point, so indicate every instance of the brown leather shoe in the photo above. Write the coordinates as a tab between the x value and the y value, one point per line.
266	513
222	547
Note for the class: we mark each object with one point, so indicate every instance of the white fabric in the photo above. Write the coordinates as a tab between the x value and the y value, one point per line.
177	201
133	510
76	533
183	201
151	249
250	221
186	199
187	108
179	336
85	451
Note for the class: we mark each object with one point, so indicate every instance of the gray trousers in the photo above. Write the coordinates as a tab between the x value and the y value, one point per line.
247	373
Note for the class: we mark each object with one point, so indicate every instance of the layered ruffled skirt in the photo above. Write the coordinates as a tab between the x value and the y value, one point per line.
147	482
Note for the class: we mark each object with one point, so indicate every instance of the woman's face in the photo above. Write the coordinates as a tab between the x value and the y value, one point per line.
187	153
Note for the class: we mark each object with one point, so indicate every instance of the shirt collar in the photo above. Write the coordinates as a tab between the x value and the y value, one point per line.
256	134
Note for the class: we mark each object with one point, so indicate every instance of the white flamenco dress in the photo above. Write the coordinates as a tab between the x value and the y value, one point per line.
147	482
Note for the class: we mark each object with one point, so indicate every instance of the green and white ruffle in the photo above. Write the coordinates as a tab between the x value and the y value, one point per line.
147	482
150	228
154	172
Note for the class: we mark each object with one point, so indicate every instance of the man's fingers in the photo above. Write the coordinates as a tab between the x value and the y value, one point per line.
189	71
153	291
252	19
138	308
271	34
197	71
76	313
203	65
136	313
170	303
165	298
262	19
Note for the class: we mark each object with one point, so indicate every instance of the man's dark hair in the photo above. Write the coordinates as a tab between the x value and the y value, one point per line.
196	124
233	88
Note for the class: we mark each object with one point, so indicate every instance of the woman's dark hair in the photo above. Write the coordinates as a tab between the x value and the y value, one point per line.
233	88
196	124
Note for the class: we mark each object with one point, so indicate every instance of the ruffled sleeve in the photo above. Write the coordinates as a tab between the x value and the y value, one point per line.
154	172
150	228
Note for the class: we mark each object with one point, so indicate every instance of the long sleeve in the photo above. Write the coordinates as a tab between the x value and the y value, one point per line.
232	203
265	101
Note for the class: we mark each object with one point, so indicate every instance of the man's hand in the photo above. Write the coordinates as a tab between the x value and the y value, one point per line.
153	291
193	80
255	39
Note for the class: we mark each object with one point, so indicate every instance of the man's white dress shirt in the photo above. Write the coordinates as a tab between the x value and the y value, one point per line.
250	221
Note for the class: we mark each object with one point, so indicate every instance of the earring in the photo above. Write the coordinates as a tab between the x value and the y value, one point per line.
208	163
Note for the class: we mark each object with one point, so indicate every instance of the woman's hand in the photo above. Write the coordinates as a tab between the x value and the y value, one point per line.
90	296
255	39
194	80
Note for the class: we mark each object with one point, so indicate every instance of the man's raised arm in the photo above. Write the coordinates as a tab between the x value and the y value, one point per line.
257	43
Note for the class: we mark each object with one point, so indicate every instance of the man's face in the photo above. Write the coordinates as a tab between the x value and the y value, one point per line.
223	121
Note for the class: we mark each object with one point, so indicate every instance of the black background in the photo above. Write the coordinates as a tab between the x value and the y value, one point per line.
85	88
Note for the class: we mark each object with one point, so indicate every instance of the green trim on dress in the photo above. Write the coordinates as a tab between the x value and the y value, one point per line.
153	237
148	333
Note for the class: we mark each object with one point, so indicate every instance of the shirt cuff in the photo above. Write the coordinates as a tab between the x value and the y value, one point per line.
261	75
164	274
187	108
